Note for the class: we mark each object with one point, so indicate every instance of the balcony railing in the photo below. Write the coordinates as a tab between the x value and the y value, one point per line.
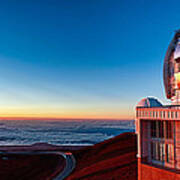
167	112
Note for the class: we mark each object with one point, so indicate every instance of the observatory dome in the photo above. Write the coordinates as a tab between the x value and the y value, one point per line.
172	66
149	102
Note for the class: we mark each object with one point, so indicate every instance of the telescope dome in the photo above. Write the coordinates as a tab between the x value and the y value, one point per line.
149	102
172	66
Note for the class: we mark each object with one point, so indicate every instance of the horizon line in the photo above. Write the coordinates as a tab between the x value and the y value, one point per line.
53	118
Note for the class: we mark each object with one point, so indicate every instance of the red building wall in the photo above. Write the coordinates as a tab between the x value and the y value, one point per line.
147	172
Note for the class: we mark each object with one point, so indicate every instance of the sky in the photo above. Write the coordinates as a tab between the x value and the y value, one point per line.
92	59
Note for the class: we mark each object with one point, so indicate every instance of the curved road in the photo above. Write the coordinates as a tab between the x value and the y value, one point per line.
70	165
70	160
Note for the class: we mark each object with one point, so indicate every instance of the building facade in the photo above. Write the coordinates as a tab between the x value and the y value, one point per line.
158	126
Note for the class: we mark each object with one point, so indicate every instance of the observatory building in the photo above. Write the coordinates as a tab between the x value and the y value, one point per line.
158	126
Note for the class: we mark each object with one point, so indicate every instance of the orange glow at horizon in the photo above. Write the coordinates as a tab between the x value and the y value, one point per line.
53	117
48	114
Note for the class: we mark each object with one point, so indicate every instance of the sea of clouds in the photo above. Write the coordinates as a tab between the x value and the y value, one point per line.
63	132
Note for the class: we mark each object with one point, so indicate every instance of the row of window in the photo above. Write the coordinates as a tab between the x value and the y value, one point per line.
162	152
161	129
158	114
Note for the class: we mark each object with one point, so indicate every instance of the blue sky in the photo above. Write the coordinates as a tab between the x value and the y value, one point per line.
83	59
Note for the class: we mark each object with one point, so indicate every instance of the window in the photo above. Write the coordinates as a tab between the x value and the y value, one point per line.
169	153
153	150
157	129
169	131
157	151
153	129
161	142
162	151
160	129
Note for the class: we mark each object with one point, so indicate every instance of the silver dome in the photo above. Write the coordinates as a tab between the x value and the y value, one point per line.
149	102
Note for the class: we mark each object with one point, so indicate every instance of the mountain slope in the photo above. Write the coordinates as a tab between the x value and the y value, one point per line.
113	159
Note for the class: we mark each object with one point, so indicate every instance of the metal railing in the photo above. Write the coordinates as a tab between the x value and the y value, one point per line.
158	113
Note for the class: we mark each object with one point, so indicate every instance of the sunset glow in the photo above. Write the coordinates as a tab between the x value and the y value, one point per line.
18	114
80	59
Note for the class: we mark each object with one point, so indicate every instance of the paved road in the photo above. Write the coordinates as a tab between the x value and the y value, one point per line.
70	165
70	160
